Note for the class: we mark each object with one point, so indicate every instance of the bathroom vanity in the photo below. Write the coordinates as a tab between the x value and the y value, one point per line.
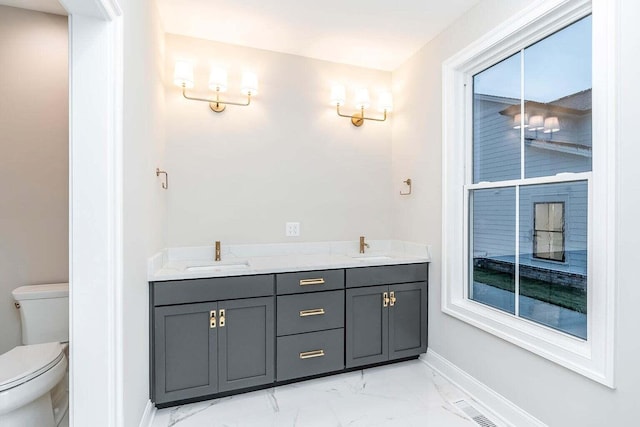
215	336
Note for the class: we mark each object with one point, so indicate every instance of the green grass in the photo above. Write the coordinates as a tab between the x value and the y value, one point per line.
563	296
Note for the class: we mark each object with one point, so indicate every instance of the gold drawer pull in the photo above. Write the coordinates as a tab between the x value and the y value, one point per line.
319	281
314	312
392	298
311	354
385	299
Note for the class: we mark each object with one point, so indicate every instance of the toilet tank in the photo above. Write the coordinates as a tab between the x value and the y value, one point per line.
44	312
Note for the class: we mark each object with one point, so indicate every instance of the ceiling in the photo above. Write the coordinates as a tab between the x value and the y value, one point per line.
369	33
49	6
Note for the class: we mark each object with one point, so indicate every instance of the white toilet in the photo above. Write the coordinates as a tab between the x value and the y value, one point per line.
34	376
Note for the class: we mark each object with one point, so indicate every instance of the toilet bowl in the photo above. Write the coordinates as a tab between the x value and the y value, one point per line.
34	376
28	374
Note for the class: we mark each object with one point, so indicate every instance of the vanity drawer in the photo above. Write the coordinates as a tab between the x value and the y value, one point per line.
309	354
310	312
387	274
309	281
211	289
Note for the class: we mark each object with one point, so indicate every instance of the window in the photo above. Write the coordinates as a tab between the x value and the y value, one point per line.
548	231
532	141
528	138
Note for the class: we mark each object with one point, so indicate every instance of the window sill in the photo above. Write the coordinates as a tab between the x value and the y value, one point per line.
564	349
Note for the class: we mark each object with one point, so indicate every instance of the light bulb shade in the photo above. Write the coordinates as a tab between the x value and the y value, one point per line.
338	95
517	121
536	123
218	79
249	84
385	103
183	74
551	124
362	98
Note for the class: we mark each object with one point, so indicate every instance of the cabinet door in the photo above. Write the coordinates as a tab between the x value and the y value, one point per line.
408	320
367	326
185	352
246	339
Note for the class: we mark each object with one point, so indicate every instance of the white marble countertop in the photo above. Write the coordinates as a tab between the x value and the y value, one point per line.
241	260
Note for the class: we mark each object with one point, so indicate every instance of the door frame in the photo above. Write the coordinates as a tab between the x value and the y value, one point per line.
95	212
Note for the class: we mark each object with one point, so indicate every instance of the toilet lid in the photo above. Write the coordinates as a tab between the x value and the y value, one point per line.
26	362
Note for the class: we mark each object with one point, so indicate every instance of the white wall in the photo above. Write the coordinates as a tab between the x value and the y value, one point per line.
238	176
144	199
34	157
553	394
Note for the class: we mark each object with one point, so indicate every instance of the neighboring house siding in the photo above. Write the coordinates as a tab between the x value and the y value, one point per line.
494	213
496	148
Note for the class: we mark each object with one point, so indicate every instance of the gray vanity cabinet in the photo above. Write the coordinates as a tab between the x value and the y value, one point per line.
186	352
385	322
408	320
246	355
212	337
367	326
201	349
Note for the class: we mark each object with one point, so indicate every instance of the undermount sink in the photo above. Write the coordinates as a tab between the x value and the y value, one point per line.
218	267
371	257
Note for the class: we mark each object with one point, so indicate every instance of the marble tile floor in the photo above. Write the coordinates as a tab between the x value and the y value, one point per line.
405	394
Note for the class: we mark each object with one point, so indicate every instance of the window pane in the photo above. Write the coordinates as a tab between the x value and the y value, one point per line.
557	93
496	143
556	216
493	247
553	262
541	218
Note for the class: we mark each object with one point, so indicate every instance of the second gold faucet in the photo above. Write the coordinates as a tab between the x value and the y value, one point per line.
218	256
363	244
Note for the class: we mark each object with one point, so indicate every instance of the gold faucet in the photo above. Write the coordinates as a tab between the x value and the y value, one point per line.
363	244
218	257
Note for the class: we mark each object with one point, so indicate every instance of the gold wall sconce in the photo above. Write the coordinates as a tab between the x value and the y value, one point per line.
183	78
385	104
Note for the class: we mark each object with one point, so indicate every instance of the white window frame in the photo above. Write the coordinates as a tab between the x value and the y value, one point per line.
593	357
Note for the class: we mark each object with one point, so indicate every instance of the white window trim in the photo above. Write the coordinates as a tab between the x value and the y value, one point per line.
594	357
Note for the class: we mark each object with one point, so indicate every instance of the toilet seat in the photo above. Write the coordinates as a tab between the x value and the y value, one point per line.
25	362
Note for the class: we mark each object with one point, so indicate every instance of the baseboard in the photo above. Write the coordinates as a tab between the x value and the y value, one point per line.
493	402
148	415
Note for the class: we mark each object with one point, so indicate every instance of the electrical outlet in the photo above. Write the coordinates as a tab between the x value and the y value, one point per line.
292	229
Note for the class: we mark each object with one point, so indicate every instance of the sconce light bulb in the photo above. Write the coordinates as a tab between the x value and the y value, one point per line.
183	74
536	123
338	95
218	79
249	84
551	124
385	102
517	121
362	98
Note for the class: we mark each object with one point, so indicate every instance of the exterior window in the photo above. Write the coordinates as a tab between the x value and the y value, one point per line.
548	231
529	184
532	144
